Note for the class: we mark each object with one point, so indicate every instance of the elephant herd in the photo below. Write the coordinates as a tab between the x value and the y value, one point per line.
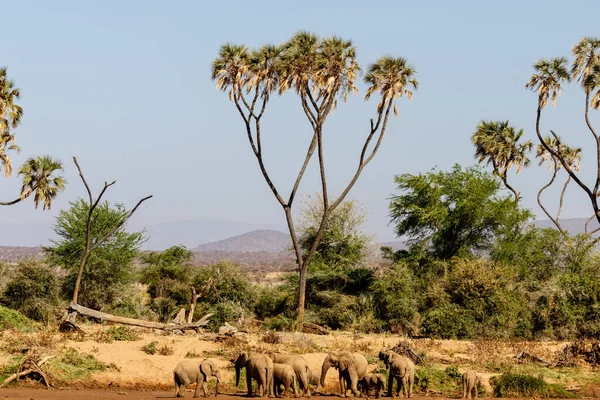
272	371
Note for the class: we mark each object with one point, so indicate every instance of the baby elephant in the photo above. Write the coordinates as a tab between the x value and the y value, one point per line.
372	381
469	382
285	375
190	371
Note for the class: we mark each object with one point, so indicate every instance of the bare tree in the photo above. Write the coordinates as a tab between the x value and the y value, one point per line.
319	71
89	246
548	78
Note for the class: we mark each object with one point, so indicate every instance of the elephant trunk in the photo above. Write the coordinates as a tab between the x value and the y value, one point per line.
237	376
324	369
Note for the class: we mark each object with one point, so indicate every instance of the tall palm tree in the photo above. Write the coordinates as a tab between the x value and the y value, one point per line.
498	143
572	157
585	69
10	118
38	178
393	77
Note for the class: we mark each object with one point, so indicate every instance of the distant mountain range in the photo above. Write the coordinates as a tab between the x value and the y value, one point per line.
250	245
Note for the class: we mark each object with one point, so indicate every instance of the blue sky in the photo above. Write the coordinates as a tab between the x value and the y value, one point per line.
125	86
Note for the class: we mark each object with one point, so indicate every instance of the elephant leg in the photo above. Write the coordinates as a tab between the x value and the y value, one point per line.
249	383
205	388
390	384
353	377
411	381
303	382
295	386
475	391
199	383
179	392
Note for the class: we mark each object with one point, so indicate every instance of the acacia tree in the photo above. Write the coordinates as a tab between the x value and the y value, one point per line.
320	71
573	158
37	173
498	143
548	78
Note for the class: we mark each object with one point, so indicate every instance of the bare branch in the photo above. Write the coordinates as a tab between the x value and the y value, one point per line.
120	224
539	199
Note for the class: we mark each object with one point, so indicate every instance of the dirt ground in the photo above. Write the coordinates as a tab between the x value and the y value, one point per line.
85	394
137	371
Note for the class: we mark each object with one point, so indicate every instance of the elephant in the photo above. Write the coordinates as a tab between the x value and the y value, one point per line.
284	374
258	367
370	381
188	371
469	383
351	367
300	366
401	368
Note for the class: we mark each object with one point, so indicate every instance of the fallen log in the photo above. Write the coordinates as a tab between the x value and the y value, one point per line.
88	312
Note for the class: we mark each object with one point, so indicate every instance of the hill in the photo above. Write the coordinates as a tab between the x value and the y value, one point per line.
263	240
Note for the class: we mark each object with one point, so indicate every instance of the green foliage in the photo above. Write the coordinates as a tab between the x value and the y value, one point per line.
227	311
343	244
456	213
150	348
86	361
228	283
33	290
109	268
517	385
122	333
394	300
168	273
273	301
12	319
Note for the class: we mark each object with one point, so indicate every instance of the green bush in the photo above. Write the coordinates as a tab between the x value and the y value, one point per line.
121	334
448	321
279	323
165	308
272	301
224	312
516	385
33	290
228	283
85	361
12	319
394	300
150	348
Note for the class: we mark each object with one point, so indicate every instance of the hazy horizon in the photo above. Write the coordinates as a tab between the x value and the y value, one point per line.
125	87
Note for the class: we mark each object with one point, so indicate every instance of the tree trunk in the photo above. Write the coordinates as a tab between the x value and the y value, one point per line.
137	322
302	294
86	254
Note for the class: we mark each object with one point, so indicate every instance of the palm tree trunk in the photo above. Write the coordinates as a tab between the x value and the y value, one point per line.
592	195
505	181
539	199
562	197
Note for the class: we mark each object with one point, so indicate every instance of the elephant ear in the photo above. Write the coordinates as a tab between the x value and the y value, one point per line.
207	367
345	362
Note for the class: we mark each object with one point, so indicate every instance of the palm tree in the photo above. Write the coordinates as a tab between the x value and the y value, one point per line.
38	177
10	118
585	69
498	143
572	157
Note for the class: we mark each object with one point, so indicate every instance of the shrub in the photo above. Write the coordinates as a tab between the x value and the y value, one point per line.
192	354
224	312
271	337
86	361
33	290
165	350
448	321
516	385
272	301
12	319
150	348
279	323
394	300
118	333
165	308
133	302
229	283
